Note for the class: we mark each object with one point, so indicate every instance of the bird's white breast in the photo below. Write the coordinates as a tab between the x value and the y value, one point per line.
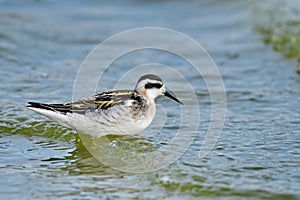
116	121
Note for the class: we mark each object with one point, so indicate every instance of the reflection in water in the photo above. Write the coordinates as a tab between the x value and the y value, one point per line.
80	161
129	153
117	151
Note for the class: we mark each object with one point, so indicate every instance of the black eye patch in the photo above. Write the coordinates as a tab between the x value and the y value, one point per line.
153	85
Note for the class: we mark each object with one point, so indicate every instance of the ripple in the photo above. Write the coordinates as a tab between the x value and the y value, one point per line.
256	157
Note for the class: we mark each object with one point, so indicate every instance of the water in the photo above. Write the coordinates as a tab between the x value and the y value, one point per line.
279	25
42	45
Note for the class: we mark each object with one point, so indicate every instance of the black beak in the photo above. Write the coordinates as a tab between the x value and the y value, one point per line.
168	94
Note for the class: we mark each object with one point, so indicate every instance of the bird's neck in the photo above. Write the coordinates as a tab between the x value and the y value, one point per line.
149	99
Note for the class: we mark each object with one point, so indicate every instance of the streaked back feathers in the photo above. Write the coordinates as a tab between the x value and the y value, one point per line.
101	101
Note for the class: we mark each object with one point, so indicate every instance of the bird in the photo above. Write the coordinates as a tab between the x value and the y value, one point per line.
119	112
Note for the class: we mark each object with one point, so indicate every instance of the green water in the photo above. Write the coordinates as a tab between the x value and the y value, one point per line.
42	44
279	24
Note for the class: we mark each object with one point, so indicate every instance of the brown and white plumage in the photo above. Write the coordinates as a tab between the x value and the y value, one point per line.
120	112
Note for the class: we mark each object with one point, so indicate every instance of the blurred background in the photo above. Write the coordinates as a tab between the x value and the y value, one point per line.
255	44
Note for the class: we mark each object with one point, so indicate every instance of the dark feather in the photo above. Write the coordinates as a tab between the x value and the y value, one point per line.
101	101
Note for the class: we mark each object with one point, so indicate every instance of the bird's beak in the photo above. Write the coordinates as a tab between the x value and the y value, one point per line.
168	94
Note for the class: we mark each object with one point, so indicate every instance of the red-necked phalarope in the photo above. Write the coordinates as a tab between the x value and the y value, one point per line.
121	112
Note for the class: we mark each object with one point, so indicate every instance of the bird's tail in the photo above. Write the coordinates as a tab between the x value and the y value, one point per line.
56	112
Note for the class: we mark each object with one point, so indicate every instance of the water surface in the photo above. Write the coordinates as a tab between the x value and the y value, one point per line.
42	44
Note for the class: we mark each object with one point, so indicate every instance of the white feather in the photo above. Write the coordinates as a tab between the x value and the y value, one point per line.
56	116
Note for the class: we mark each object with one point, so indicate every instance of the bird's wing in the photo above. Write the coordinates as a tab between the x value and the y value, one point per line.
100	101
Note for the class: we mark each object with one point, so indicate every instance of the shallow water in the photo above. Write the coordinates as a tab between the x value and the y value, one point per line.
278	23
42	45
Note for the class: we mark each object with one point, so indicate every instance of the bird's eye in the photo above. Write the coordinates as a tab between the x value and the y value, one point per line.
153	85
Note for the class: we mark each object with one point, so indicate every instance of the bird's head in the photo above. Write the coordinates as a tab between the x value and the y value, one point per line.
152	86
